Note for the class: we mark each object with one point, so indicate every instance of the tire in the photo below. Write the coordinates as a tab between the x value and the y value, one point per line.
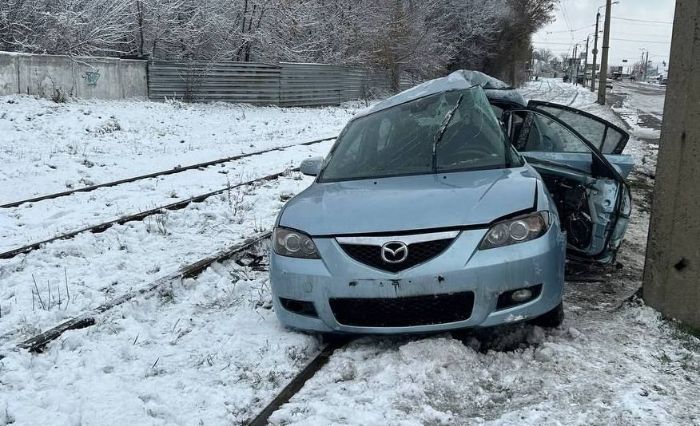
551	319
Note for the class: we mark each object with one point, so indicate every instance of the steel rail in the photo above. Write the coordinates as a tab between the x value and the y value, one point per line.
295	385
159	173
101	227
38	342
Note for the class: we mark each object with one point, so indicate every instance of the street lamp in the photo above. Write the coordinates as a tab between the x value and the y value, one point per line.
585	62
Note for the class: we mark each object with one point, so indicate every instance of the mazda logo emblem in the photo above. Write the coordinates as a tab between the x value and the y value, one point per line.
394	252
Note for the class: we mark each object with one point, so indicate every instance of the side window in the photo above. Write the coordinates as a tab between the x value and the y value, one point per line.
603	135
612	141
543	134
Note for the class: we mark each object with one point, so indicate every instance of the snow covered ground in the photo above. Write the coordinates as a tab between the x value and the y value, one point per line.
41	220
48	147
209	350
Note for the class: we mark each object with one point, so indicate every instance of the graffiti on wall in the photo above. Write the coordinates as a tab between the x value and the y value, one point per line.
91	77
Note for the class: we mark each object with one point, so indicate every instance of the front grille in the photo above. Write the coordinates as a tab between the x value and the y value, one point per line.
403	311
417	253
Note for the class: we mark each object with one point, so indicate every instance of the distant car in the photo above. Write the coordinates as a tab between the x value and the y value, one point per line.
565	78
449	205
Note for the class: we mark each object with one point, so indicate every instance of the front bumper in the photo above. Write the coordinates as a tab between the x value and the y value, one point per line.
460	268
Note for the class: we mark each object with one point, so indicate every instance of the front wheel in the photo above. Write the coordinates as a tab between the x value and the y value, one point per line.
551	319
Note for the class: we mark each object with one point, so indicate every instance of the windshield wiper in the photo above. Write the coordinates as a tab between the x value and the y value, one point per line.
442	129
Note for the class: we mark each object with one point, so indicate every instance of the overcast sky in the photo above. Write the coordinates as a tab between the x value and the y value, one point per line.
636	24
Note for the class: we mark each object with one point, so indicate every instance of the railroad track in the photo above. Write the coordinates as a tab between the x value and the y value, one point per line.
175	170
249	248
101	227
295	385
86	319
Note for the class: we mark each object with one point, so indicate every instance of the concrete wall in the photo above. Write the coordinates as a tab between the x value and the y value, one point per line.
82	77
672	271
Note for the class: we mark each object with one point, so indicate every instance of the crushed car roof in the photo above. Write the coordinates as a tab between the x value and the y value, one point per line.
463	79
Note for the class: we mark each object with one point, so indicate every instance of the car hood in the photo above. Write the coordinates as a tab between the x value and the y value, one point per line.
410	203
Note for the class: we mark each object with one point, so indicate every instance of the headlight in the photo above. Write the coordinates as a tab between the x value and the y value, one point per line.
517	230
288	242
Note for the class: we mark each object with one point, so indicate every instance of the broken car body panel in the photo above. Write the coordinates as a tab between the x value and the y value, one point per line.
591	194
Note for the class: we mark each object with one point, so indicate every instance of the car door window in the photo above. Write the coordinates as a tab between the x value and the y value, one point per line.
608	138
611	142
543	134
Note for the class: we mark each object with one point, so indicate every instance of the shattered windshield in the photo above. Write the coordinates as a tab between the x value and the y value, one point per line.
448	131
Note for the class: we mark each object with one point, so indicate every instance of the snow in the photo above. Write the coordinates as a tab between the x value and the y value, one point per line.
48	147
42	220
210	351
93	268
458	80
592	374
205	351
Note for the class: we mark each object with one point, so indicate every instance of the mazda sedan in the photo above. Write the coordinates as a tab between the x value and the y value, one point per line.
454	204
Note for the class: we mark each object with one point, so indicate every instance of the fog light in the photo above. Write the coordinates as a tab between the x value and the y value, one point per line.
299	307
518	296
522	295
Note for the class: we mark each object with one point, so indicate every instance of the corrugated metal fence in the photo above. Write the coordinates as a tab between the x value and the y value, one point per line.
286	84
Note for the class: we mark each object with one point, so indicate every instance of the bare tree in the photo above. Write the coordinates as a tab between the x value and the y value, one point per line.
423	38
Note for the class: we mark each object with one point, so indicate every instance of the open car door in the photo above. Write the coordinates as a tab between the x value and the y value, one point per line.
609	139
591	195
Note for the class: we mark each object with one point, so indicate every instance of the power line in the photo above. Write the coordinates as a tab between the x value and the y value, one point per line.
641	41
553	42
566	18
643	20
570	31
646	35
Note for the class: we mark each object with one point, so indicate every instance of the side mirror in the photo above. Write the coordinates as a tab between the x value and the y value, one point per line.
311	166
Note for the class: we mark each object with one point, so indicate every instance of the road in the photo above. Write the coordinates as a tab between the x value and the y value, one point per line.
640	104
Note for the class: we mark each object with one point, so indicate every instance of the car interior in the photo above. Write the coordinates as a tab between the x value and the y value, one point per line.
580	188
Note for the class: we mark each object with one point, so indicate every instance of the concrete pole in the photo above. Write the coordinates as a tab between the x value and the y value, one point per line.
604	59
575	64
672	270
595	50
646	67
585	64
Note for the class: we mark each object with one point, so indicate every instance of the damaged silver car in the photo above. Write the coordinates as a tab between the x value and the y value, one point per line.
453	204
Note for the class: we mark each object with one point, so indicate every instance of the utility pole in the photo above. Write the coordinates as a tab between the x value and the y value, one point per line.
585	63
672	268
595	50
576	61
604	60
646	67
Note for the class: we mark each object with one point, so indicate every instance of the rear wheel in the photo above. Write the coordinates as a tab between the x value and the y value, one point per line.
551	319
